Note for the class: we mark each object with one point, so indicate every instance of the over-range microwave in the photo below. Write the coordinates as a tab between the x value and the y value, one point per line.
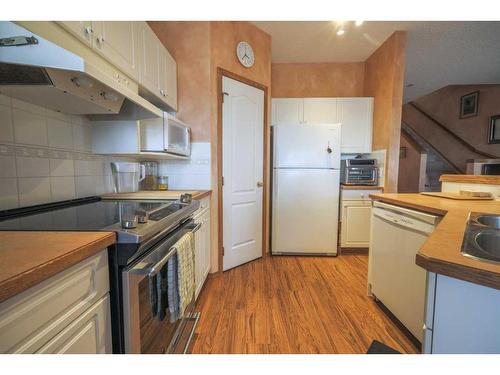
166	134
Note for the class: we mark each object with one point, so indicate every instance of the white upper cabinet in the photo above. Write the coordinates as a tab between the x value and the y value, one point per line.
149	68
320	111
134	48
81	29
158	69
170	79
356	117
288	111
117	42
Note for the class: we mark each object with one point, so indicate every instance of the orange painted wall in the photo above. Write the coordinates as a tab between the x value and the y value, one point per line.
444	106
411	178
302	80
224	37
199	48
384	79
189	44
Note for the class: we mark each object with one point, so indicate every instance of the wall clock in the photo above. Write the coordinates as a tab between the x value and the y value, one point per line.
245	54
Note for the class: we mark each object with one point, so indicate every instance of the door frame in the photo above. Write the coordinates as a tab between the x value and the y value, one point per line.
221	73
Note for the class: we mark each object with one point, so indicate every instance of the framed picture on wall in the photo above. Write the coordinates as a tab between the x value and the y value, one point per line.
469	105
494	131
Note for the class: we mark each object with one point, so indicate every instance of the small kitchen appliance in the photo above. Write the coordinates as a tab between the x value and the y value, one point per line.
359	172
126	176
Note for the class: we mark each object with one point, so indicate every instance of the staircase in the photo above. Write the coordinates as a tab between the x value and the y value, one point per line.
446	152
436	163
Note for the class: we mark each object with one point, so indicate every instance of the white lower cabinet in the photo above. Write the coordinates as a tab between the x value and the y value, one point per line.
202	245
88	334
460	317
69	312
356	212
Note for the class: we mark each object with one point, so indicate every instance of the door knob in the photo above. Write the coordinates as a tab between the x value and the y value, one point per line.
260	184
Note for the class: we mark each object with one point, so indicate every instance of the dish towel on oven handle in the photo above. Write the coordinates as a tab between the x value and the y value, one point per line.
173	288
181	281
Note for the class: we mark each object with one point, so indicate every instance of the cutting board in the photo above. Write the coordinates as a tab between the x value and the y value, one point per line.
150	195
457	196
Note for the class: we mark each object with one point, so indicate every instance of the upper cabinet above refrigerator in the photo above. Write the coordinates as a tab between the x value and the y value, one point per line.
355	115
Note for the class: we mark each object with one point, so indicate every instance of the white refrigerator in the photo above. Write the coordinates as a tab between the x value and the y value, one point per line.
305	189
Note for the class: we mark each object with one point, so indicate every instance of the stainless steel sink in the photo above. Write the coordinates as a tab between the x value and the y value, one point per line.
482	237
492	221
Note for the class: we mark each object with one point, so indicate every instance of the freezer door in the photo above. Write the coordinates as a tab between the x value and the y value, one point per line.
306	146
305	211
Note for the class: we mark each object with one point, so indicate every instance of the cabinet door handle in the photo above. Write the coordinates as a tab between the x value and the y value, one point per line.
88	30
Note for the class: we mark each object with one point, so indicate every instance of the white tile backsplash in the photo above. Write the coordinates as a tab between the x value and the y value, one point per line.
34	191
83	168
45	156
29	128
62	167
7	166
6	129
32	167
62	188
192	174
5	100
60	134
85	186
28	107
8	193
82	137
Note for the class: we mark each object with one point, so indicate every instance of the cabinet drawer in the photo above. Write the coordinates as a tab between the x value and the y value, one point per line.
33	317
358	194
204	205
88	334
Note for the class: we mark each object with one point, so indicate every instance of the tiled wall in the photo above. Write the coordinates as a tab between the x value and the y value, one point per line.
45	156
192	174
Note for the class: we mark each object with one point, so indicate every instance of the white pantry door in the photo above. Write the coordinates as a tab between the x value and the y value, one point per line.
242	150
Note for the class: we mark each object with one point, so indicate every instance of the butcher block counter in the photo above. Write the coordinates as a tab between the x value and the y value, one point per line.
441	252
28	258
158	194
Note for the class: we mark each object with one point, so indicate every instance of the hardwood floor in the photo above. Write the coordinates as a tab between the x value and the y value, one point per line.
293	304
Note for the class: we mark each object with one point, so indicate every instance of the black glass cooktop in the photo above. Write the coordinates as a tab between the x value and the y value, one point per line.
81	216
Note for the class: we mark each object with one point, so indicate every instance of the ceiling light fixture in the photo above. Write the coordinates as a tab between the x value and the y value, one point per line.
358	23
340	32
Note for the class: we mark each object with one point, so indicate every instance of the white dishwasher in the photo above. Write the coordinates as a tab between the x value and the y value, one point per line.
393	277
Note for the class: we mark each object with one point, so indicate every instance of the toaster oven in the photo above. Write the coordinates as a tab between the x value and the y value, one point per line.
359	172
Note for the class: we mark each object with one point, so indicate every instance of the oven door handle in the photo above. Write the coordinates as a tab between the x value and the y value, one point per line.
153	270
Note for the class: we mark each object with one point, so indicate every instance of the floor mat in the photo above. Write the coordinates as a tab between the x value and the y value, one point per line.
378	348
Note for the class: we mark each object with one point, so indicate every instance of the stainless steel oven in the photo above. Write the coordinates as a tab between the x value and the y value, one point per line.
145	330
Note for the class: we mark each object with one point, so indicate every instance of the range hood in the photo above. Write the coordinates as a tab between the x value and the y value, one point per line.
40	72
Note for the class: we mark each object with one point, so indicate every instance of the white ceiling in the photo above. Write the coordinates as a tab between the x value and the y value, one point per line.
438	53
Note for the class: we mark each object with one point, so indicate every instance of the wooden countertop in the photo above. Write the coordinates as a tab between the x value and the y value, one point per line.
157	194
27	258
441	252
471	179
361	187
